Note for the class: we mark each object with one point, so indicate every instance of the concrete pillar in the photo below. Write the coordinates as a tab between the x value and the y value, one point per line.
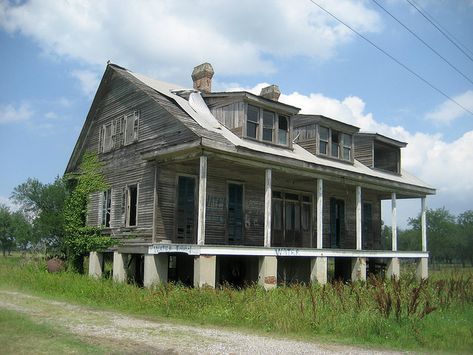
119	267
95	264
394	268
268	272
155	269
267	208
320	210
394	221
358	218
423	222
204	270
202	200
358	271
422	271
318	270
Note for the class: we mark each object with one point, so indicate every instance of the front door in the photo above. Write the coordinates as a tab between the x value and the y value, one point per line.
235	214
185	216
337	222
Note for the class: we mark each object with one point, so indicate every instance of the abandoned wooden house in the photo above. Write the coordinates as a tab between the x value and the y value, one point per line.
212	187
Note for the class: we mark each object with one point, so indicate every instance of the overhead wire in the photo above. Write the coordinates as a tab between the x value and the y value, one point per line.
424	42
394	59
429	18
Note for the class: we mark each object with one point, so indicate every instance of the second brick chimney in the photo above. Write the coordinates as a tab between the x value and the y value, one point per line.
202	77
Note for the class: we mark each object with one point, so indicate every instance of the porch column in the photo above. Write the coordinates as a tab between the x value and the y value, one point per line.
320	210
423	222
422	271
318	270
95	264
268	272
267	208
358	271
204	270
202	200
393	221
358	218
119	267
155	269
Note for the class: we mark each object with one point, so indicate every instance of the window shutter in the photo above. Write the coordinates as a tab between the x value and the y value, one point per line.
136	125
101	209
100	148
124	207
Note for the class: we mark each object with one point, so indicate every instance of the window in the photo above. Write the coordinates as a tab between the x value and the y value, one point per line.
106	137
106	207
185	216
252	122
323	140
346	146
283	130
235	216
268	126
131	128
131	198
335	152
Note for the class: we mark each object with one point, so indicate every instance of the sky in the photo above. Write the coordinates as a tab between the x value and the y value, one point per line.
53	54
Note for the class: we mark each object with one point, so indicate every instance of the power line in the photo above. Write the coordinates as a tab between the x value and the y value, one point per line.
424	42
393	58
429	18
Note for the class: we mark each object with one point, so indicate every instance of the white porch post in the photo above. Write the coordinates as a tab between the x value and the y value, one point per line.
267	208
394	221
320	209
423	222
202	200
358	218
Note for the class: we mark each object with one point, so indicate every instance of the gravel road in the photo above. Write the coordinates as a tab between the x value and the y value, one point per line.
138	335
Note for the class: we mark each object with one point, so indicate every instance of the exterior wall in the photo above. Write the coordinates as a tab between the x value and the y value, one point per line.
364	150
123	165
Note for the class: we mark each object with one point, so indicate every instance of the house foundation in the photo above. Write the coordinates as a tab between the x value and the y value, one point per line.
155	269
393	268
318	270
422	271
204	270
358	272
119	267
268	271
95	264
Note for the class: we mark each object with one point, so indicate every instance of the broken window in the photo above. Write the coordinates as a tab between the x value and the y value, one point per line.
283	130
131	198
106	207
268	125
335	148
131	127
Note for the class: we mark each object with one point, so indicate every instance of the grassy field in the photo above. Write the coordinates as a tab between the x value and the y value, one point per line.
436	315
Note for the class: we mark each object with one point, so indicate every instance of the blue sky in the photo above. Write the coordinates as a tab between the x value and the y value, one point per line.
53	53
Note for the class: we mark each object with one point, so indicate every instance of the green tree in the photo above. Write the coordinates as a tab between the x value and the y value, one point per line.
465	227
442	234
7	240
44	206
81	239
22	231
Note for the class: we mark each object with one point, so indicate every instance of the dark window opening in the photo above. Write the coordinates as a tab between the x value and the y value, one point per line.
132	205
335	144
185	217
235	213
337	222
252	122
106	207
283	130
268	126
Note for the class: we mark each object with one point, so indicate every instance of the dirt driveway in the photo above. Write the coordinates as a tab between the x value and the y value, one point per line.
133	335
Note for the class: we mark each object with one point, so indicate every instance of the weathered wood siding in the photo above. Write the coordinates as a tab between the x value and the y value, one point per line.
231	116
123	165
364	150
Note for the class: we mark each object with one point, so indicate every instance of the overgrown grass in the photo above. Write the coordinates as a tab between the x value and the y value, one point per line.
435	315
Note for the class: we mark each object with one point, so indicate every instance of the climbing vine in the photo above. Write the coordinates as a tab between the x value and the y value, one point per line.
80	238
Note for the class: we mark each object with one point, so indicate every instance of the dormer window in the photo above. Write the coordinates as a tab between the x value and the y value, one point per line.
323	140
346	146
335	151
252	122
267	126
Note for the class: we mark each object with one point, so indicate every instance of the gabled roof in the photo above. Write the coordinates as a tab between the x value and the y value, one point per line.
194	113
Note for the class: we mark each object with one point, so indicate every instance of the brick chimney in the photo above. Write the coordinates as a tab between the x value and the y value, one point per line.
271	92
202	77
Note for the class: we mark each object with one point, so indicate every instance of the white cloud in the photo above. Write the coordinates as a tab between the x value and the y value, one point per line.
89	81
448	111
162	37
11	114
447	166
9	203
